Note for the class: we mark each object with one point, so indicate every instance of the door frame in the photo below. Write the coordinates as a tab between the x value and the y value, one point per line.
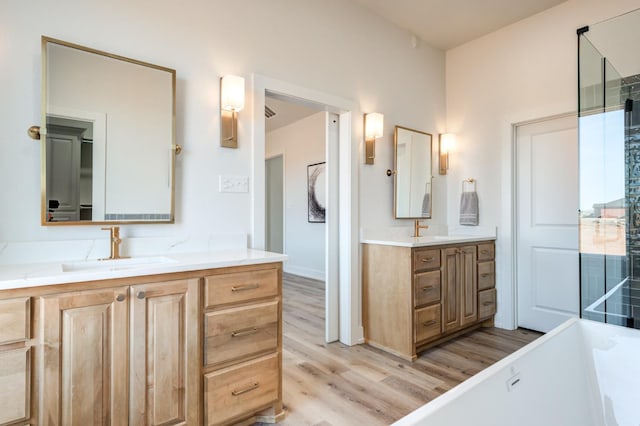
513	259
343	290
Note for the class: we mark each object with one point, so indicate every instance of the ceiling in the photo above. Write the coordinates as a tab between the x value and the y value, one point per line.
287	111
445	24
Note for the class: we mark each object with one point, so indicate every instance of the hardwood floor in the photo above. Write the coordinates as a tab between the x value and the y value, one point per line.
334	384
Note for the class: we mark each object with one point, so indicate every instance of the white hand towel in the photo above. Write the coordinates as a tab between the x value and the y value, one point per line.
469	208
426	205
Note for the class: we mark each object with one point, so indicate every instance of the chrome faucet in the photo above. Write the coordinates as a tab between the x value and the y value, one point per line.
115	243
417	227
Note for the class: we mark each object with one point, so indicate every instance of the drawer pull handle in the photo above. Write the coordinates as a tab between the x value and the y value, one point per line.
428	259
427	288
254	386
485	275
245	332
485	251
428	323
487	304
245	287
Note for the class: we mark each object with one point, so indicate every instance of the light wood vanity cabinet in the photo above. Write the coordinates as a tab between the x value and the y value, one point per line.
187	348
123	355
414	298
242	346
15	360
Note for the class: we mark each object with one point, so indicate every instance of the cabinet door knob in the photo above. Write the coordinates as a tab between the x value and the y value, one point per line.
120	297
141	295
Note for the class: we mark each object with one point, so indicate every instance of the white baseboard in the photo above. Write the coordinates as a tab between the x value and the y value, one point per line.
304	272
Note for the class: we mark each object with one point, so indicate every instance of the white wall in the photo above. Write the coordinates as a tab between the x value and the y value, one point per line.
331	46
301	143
522	72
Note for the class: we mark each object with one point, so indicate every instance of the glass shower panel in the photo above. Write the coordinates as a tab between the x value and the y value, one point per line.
609	146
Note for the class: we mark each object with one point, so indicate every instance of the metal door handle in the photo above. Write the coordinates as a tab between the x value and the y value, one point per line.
245	332
256	385
141	295
245	287
120	297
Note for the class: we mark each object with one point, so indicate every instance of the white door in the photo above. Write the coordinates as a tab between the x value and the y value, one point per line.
548	281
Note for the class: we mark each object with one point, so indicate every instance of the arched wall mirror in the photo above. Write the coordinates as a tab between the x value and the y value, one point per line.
108	138
412	190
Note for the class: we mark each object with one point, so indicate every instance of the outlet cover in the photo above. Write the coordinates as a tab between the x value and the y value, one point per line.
234	184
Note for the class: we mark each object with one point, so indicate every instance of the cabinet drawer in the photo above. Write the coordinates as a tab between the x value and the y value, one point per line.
240	287
240	390
486	303
427	323
15	317
239	332
426	288
426	259
486	275
486	251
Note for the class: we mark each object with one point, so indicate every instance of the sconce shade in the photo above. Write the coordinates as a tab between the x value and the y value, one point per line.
232	93
446	142
374	125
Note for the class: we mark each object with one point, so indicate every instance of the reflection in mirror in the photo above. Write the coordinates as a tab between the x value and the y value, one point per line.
108	147
412	193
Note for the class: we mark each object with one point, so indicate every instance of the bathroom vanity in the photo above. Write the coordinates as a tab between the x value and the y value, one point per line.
186	339
418	292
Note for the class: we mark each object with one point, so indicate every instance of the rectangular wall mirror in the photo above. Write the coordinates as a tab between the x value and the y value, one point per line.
108	149
412	194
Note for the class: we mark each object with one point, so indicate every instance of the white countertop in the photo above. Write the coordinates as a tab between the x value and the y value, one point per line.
41	274
427	240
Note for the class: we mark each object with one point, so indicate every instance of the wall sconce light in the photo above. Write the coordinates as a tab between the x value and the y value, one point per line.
373	128
231	102
445	144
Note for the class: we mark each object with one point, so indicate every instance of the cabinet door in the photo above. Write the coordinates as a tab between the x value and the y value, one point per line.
468	285
450	290
84	376
164	370
15	385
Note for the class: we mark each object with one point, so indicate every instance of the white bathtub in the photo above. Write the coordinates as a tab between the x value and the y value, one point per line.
582	373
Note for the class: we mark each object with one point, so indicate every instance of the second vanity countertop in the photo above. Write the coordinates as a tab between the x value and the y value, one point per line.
426	240
42	274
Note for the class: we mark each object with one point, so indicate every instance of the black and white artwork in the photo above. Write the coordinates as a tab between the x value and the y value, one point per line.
316	192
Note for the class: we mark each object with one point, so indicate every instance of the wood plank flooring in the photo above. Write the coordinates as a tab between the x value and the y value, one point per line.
334	384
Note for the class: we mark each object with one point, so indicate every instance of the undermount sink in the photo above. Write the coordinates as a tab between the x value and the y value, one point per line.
115	264
433	237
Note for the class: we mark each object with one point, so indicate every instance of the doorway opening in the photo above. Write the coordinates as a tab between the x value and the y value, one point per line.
298	135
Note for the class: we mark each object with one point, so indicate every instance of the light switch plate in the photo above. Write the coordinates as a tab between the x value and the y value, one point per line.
234	184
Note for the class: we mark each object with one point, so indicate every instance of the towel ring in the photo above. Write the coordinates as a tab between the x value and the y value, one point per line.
470	181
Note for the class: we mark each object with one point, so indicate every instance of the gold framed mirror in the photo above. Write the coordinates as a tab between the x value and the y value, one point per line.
412	193
107	138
